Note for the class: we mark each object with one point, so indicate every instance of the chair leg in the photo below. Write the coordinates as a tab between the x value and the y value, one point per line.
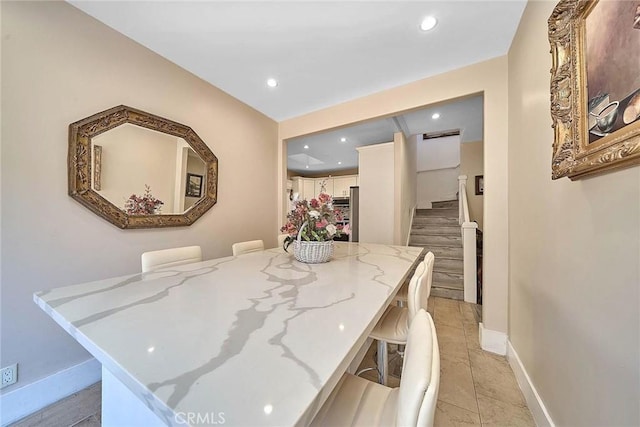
383	362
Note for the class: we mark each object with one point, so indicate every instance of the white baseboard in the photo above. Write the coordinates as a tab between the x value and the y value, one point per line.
493	341
26	400
535	403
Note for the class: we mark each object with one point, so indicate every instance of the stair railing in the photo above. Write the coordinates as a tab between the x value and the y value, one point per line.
413	212
468	231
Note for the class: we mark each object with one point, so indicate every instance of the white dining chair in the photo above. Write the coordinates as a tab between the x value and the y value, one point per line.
402	296
155	260
247	247
394	324
359	402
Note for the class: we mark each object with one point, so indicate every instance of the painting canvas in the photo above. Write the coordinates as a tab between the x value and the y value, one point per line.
479	185
595	86
612	62
194	185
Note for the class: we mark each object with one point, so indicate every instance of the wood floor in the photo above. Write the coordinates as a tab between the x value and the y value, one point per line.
476	387
81	409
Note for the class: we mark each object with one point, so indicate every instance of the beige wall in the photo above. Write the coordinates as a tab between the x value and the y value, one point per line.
436	186
58	66
472	164
376	211
405	150
574	258
489	78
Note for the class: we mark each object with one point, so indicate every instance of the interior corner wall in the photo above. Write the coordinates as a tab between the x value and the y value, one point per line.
377	193
409	183
574	294
472	165
58	66
436	186
404	186
490	79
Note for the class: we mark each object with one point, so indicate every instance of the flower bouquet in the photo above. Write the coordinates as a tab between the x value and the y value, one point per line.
143	205
311	227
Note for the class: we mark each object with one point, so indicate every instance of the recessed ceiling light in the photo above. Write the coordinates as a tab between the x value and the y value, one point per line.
343	139
306	147
339	163
272	82
435	116
428	23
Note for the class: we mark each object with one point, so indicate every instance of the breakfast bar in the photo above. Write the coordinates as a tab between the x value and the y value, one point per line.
257	339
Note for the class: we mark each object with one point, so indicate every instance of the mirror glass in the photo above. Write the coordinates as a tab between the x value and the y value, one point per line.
146	172
139	170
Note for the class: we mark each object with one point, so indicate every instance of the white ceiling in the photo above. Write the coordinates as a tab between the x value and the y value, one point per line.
321	52
326	150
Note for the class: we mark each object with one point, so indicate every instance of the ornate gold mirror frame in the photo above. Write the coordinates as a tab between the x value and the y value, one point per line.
80	165
583	145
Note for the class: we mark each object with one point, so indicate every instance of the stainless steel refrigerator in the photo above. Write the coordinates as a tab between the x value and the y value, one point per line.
354	213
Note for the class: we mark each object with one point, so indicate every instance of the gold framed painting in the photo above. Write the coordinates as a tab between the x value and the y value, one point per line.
595	86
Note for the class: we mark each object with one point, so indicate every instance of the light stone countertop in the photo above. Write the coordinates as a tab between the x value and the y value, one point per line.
260	337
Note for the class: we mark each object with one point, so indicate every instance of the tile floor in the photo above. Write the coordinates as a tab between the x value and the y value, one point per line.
476	387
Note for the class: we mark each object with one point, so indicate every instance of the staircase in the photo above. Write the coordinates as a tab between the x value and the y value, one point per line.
438	231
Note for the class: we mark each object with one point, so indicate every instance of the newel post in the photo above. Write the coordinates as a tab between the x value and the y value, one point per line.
462	187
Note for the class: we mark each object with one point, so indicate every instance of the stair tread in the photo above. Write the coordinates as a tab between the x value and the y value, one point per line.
447	286
422	242
448	271
441	212
447	293
449	257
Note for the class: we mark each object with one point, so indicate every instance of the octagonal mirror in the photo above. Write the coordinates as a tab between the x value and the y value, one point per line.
138	170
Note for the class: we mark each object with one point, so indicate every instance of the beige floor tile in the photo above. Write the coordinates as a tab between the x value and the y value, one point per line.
497	413
447	312
494	378
468	313
447	317
448	415
452	342
472	335
431	306
456	384
446	302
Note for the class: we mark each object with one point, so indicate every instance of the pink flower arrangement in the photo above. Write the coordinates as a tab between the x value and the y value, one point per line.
143	205
320	217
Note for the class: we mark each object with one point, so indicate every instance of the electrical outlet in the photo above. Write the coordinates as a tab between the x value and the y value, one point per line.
9	375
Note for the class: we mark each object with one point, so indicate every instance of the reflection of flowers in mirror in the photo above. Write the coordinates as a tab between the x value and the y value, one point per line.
143	205
317	218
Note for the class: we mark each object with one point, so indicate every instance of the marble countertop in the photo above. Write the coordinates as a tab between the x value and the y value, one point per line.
260	337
